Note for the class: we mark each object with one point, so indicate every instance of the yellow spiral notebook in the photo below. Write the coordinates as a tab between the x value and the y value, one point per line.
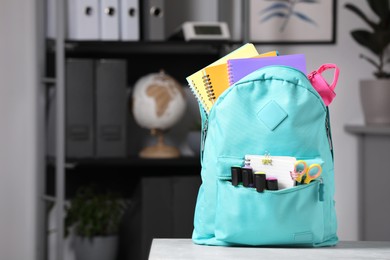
196	80
216	80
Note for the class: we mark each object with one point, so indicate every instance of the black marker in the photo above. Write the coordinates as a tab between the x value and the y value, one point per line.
247	176
260	181
272	184
236	175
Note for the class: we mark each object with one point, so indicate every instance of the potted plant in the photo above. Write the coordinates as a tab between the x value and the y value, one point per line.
95	217
375	93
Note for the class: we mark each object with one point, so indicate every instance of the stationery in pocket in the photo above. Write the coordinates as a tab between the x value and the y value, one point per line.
278	167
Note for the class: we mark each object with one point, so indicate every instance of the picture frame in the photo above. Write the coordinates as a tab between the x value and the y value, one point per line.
292	22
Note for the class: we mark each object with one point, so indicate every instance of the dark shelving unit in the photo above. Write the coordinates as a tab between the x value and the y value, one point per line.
163	191
167	187
136	47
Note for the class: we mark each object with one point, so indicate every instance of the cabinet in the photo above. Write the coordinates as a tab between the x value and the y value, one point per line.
374	180
163	191
162	194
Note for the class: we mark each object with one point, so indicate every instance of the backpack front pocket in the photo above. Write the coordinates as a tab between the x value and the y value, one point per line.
285	217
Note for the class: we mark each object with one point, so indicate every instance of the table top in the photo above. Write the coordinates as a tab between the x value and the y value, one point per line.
173	249
368	129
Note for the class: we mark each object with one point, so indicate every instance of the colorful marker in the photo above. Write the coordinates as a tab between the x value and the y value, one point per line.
260	181
236	175
272	183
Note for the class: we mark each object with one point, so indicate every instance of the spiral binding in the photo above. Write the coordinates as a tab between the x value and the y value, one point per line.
200	99
209	87
230	73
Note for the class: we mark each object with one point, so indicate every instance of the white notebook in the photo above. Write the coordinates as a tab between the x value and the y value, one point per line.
274	166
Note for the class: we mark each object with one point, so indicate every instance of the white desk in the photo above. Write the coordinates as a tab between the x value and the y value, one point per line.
173	249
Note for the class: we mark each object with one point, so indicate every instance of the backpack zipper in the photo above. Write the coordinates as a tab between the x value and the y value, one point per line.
328	133
311	75
204	134
321	190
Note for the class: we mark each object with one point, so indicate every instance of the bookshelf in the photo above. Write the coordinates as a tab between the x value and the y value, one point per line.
164	187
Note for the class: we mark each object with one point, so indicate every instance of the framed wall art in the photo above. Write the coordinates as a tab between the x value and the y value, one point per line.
292	21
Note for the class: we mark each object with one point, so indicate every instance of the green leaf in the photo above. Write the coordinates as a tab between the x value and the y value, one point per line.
93	213
371	61
380	7
382	74
383	39
359	13
368	40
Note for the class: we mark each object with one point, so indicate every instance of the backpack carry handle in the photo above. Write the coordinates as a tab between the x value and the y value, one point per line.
323	88
327	66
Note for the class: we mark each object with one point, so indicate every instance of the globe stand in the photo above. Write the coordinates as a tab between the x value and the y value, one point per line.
159	150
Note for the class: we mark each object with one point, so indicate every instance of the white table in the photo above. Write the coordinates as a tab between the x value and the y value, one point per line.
173	249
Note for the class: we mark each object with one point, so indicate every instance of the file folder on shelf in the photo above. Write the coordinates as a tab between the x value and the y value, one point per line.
79	108
129	20
153	20
82	19
109	19
111	108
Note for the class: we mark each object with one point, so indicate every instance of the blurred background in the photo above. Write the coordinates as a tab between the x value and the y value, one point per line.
27	117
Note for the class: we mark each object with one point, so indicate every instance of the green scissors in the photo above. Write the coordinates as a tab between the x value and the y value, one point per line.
306	173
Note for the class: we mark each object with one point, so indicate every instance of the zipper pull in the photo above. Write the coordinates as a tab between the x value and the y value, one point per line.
311	75
329	136
321	190
204	134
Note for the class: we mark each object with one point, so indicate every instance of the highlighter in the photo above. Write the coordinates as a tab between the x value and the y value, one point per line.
260	181
236	175
272	183
247	176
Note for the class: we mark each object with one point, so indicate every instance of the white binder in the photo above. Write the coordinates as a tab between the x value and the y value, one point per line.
129	20
153	20
109	20
83	19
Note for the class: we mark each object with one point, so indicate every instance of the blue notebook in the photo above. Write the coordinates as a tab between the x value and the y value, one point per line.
239	68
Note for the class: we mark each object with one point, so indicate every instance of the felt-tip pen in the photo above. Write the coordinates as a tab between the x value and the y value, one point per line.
272	183
260	181
236	174
247	175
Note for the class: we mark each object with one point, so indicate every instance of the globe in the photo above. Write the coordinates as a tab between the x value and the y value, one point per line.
158	104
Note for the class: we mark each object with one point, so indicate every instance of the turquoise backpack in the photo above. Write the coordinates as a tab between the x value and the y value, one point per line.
273	110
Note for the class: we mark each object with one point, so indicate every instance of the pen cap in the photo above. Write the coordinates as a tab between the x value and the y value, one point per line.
247	177
236	175
260	181
272	184
247	166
